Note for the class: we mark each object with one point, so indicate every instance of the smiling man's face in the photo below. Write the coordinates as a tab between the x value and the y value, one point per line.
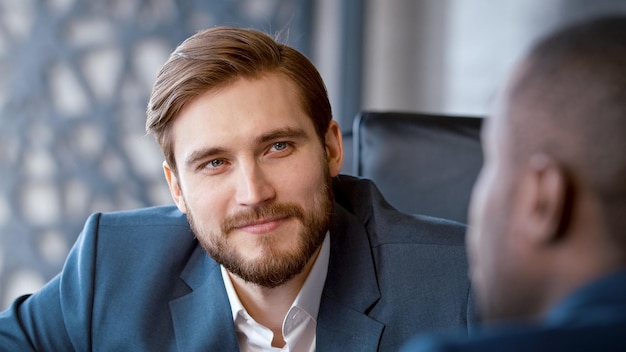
254	178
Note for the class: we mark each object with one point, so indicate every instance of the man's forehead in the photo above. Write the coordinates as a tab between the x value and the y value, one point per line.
265	100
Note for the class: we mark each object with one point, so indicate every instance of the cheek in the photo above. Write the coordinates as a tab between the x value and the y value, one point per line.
478	211
207	203
485	219
304	178
489	250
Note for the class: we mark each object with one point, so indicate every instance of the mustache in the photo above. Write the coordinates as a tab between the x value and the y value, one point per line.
260	213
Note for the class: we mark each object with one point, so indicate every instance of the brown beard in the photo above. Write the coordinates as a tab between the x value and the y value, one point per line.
276	268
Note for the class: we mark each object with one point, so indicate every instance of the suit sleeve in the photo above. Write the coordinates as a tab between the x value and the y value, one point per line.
58	317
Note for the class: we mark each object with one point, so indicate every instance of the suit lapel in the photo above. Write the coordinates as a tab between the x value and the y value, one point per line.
340	328
202	318
350	290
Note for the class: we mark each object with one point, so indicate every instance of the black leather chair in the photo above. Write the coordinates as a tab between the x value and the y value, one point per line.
423	163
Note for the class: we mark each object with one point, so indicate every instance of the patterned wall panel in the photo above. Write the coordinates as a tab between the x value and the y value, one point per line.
74	82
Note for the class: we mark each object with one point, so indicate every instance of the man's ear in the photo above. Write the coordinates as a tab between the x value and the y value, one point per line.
545	190
174	185
334	148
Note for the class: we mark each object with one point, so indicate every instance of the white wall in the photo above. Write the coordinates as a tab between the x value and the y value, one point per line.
450	55
326	45
405	43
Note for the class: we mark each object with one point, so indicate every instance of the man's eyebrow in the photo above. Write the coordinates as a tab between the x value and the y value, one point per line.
287	132
201	154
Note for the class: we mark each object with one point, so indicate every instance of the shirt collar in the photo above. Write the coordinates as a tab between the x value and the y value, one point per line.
235	303
310	295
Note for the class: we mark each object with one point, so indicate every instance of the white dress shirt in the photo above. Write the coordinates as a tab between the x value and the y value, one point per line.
301	319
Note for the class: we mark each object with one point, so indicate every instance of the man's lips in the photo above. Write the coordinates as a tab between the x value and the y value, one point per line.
263	226
262	219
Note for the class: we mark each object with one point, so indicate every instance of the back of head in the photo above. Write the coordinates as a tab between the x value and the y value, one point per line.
547	214
569	100
212	59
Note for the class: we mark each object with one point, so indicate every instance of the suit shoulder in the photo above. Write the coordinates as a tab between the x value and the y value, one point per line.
385	224
391	226
152	216
165	222
123	234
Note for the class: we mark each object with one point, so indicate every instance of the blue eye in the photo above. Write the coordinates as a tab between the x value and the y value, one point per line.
215	163
280	146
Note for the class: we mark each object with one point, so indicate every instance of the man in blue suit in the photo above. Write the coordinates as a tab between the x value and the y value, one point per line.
299	258
547	239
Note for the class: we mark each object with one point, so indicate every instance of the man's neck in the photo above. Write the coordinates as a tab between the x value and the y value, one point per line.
269	306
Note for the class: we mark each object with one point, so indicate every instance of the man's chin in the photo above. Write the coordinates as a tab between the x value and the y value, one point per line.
271	266
257	247
269	276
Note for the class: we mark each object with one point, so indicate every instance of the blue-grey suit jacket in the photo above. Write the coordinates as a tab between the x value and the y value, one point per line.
139	281
591	319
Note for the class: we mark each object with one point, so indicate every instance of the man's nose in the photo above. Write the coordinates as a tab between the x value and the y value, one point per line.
254	186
